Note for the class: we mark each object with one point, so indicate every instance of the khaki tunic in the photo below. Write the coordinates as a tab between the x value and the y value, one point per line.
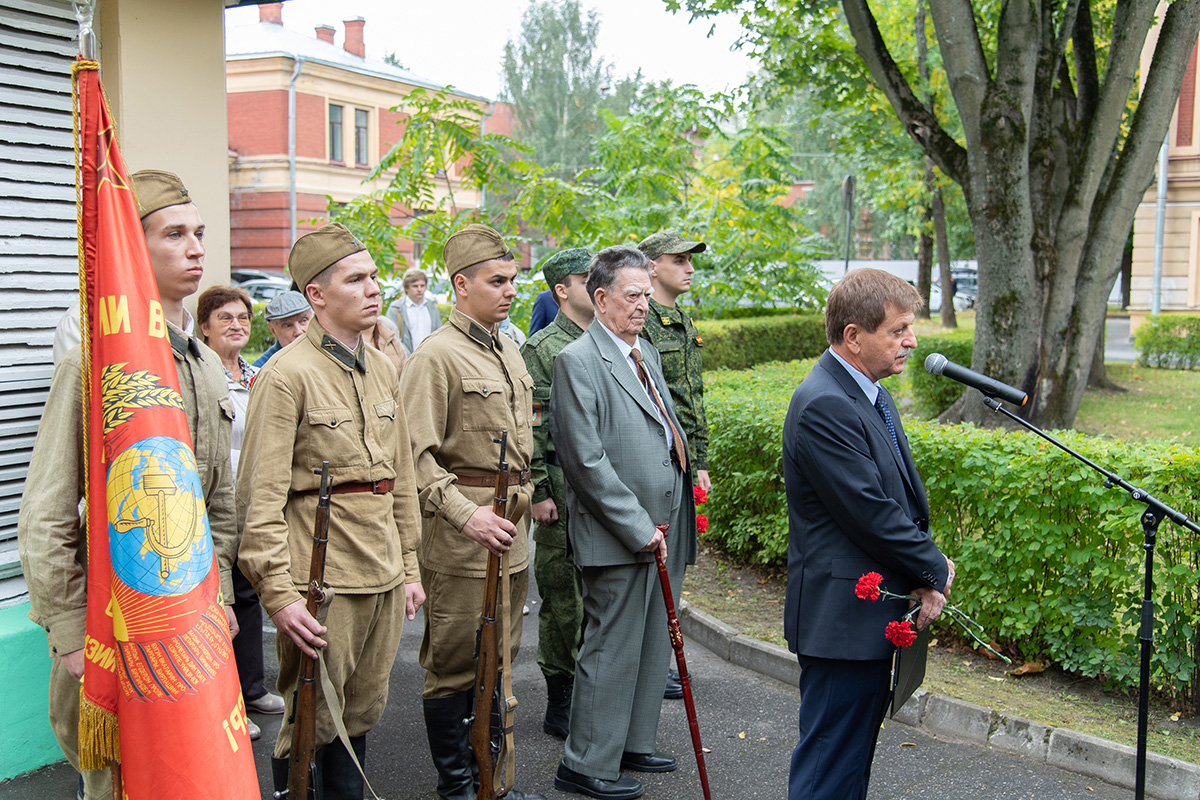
317	401
387	341
461	388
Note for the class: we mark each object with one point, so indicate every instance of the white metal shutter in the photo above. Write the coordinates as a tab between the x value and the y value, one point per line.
38	253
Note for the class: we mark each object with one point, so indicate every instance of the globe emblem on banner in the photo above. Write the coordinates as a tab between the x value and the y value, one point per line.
158	533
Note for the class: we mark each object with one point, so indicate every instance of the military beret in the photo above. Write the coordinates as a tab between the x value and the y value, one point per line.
284	305
155	189
472	245
566	262
669	242
324	247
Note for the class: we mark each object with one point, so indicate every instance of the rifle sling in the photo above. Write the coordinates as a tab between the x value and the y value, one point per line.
510	700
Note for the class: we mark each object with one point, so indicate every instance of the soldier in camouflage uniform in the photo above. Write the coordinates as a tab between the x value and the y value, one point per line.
560	622
671	331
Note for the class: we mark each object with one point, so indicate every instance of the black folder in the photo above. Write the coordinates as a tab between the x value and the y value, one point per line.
908	670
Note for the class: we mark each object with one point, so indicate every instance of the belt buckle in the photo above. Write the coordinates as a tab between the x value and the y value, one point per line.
377	487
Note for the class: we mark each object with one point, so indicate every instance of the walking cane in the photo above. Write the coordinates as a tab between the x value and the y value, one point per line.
681	662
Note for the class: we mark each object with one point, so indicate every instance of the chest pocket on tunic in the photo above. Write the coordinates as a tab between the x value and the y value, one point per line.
484	407
332	435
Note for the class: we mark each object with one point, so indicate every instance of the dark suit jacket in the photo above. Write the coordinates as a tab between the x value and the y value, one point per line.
621	481
854	506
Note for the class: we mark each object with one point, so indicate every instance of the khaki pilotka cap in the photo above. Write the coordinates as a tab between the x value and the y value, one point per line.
155	189
322	248
557	267
668	243
472	245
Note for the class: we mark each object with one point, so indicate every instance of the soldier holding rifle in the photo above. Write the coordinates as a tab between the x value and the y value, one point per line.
332	398
462	387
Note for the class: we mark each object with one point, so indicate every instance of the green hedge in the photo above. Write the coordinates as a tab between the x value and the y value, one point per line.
742	343
1169	340
738	312
933	394
1048	559
260	335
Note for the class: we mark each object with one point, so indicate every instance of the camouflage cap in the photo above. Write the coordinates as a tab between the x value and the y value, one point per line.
557	267
315	251
284	305
668	242
155	189
472	245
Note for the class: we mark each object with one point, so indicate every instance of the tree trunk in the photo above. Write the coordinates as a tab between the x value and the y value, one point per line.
924	265
949	318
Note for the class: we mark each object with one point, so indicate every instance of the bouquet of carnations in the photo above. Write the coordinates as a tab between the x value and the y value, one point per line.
701	498
901	632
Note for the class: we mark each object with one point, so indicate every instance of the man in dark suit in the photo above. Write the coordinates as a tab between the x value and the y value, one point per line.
855	505
624	457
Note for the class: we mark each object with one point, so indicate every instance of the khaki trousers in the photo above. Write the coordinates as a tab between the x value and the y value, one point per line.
363	634
452	607
64	719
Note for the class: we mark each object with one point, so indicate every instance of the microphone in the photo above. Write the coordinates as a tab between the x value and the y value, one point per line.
938	364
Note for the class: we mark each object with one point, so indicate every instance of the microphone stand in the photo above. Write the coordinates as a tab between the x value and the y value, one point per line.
1155	512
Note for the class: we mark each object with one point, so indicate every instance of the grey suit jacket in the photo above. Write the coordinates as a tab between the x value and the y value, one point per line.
621	481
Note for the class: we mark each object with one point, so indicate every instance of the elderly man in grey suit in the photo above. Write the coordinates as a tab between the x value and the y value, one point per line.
624	457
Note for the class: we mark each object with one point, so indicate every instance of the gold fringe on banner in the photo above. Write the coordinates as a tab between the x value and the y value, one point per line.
99	742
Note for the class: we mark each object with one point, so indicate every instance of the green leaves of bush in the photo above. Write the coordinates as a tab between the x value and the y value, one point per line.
1048	559
1169	340
743	343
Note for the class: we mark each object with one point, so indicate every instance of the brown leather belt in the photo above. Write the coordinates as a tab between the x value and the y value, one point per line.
514	479
384	486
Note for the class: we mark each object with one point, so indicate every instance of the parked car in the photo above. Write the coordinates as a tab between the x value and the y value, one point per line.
263	290
961	301
237	276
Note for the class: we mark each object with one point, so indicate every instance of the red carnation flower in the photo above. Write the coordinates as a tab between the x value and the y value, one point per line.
701	523
900	634
868	586
700	495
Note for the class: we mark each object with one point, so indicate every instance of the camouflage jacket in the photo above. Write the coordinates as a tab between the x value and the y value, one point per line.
539	353
672	333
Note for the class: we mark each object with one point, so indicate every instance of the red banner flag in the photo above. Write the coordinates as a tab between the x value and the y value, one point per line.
160	688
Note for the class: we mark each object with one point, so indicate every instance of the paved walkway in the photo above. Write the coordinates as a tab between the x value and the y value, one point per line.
747	719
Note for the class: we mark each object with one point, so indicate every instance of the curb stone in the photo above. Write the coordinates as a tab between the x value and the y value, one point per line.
1166	778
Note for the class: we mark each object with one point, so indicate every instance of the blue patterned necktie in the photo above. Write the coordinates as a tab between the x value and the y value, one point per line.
882	408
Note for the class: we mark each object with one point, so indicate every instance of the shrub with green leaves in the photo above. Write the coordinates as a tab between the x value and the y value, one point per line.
1171	341
1048	559
260	335
742	343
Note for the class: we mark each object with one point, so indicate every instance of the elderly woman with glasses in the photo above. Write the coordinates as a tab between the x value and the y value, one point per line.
224	314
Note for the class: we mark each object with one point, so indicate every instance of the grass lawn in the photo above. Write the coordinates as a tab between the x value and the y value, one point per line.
1159	405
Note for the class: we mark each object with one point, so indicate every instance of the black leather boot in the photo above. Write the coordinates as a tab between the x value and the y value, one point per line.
450	745
279	777
339	776
558	705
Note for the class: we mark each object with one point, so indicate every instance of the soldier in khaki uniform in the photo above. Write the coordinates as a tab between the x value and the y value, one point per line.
51	539
331	397
559	581
464	385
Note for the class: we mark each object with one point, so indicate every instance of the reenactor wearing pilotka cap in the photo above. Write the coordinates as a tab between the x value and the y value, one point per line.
462	387
559	581
330	397
50	536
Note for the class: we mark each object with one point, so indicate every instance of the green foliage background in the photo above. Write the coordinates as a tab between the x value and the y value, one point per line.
1170	340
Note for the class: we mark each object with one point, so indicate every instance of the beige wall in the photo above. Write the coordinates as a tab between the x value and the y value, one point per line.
163	67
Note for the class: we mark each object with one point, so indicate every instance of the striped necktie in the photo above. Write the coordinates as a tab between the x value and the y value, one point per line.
644	377
884	412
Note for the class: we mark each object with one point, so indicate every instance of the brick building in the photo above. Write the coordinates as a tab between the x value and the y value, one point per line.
307	119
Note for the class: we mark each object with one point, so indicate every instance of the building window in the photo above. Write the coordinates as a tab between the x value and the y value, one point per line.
335	132
361	118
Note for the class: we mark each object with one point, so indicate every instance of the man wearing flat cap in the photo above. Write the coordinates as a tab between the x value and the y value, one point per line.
463	387
287	318
560	620
330	397
50	537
